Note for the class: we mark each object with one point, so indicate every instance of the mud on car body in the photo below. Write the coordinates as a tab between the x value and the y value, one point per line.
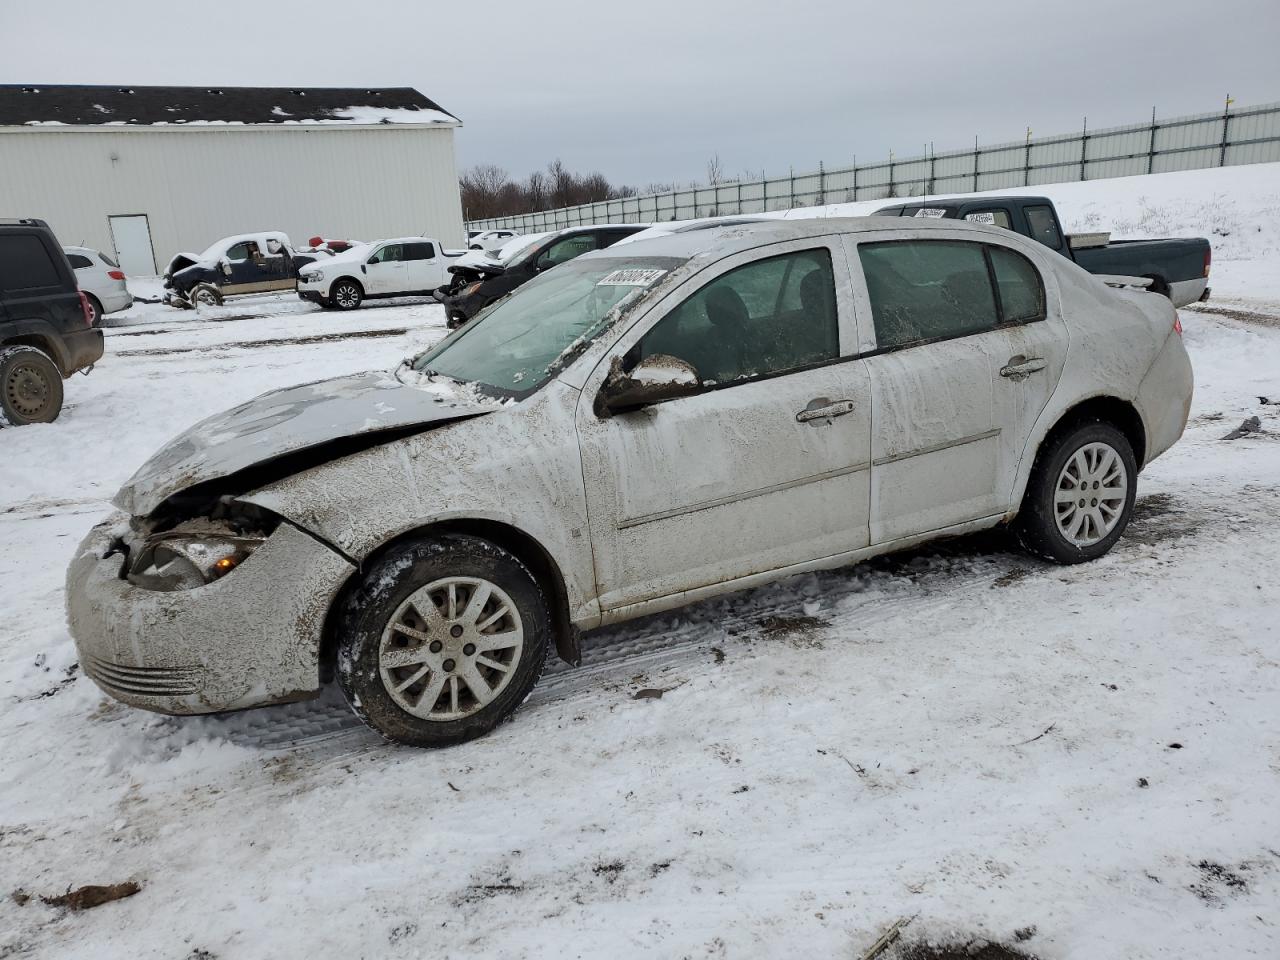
646	426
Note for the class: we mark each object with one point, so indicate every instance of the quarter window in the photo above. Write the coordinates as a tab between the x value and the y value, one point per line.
1044	226
763	318
79	261
1021	292
25	264
927	290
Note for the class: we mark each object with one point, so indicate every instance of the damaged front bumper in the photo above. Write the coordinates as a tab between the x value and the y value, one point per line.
247	639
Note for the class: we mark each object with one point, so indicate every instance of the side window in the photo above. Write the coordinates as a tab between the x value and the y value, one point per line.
419	251
996	217
567	249
25	264
927	290
79	260
391	253
1021	290
758	319
1044	226
240	251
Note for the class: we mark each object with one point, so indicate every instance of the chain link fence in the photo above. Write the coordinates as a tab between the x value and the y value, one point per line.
1232	136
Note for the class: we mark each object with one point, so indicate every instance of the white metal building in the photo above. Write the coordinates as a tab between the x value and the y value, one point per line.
147	172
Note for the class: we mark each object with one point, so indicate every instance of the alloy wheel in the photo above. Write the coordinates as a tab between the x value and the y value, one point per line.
1090	495
451	648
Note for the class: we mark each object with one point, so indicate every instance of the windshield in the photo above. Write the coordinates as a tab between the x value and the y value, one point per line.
519	343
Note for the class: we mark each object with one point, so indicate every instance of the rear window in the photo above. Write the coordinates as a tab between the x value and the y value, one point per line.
25	264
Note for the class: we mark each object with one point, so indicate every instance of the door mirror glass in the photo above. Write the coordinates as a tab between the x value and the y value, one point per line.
226	266
652	380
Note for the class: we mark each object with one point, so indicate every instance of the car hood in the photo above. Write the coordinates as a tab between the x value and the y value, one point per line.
283	422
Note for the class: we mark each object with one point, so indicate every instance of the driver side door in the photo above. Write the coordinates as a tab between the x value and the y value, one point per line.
767	466
385	270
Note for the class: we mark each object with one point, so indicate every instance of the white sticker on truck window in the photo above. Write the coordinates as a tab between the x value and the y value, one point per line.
632	277
936	212
984	216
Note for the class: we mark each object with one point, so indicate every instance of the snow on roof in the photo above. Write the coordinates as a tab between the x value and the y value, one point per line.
68	105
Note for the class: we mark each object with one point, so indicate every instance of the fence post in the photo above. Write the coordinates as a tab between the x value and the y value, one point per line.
1084	146
892	193
791	202
855	178
1151	147
1026	162
822	186
1226	119
975	163
933	159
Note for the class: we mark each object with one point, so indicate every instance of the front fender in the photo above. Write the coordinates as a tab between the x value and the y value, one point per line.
518	467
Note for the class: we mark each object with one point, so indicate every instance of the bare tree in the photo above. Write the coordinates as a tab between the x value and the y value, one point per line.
715	172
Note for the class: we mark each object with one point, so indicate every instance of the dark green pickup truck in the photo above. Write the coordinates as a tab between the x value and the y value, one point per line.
1177	268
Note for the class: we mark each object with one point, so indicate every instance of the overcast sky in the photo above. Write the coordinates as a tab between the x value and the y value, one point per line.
648	91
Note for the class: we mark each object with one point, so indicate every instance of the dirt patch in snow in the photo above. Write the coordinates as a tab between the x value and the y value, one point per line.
798	631
274	342
969	950
1244	316
1217	881
1159	517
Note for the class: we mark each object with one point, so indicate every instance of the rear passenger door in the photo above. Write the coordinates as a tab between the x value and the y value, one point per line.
423	269
951	408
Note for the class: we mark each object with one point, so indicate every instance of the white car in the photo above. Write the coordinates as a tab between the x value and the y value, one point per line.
406	266
490	240
101	279
639	428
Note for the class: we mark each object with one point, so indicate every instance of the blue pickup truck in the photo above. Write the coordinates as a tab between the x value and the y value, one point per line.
1177	268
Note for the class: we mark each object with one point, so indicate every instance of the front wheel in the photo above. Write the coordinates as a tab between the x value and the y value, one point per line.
442	640
205	295
1080	494
30	387
346	294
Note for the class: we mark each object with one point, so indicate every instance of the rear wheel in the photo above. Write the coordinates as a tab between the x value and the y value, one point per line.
346	294
95	309
30	386
1080	494
442	640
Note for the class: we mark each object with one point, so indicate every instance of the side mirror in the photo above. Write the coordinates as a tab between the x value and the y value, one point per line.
374	259
226	266
652	380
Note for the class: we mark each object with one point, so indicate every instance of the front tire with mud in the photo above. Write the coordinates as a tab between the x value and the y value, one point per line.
1080	494
442	639
346	295
205	295
30	386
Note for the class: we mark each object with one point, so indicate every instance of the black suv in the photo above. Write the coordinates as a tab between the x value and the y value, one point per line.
476	285
46	323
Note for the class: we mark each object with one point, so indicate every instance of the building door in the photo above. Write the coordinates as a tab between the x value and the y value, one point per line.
131	236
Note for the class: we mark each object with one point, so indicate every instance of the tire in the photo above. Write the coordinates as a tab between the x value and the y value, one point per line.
30	386
408	588
1102	455
95	308
205	295
346	294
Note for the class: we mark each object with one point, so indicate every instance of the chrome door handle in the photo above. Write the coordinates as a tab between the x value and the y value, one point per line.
824	409
1020	367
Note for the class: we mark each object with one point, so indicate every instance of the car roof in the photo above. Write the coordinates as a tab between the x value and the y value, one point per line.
724	241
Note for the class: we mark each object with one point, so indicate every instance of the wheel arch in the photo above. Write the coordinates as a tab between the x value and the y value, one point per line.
520	543
48	345
350	279
1106	408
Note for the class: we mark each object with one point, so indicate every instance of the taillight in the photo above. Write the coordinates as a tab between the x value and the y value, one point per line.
1208	259
88	310
115	274
1177	324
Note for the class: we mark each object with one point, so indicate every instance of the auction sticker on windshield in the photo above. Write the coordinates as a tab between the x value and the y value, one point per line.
633	277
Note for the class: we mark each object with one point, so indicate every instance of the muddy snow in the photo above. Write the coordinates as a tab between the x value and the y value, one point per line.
1017	758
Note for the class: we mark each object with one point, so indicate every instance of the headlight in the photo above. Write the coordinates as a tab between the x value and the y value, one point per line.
180	561
314	277
471	288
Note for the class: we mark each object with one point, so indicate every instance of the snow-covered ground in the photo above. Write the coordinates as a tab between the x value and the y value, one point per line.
1084	758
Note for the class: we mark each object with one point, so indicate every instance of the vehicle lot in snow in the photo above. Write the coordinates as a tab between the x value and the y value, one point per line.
959	734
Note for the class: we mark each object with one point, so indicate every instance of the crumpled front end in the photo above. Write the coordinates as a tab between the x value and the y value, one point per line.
160	642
